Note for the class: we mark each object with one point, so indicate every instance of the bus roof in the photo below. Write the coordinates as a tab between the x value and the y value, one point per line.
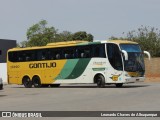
73	43
121	42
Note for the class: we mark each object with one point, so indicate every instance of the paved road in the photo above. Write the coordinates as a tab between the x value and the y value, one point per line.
81	97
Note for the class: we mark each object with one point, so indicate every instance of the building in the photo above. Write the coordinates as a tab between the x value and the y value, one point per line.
4	46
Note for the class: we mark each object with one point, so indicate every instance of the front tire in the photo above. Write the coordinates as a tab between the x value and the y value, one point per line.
27	82
36	82
100	81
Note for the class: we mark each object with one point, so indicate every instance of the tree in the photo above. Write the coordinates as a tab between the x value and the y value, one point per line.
147	37
90	37
23	44
64	36
82	35
39	34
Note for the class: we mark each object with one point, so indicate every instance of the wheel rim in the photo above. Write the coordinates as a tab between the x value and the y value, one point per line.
99	81
27	83
36	82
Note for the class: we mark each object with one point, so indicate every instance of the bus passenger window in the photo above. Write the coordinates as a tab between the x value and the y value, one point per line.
99	50
51	54
76	53
68	53
87	52
65	55
84	52
43	57
58	56
42	54
82	55
13	57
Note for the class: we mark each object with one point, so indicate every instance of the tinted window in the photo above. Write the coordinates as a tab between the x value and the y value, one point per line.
130	47
114	56
83	52
12	56
99	50
42	54
68	53
22	56
87	51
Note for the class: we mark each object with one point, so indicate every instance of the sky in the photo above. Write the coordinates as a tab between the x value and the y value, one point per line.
101	18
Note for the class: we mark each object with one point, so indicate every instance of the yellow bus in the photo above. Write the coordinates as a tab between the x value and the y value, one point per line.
101	62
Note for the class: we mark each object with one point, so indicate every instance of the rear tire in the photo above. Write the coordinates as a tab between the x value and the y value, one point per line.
54	85
36	82
27	82
100	80
119	85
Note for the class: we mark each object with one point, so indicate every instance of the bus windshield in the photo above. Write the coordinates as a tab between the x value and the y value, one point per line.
135	62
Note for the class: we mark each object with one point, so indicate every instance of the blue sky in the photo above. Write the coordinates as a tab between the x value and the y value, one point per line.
101	18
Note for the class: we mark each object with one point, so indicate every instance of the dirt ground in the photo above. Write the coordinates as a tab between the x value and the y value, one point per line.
152	70
152	79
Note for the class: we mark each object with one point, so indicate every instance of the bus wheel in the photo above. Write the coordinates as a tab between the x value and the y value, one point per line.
100	81
36	82
118	85
27	82
54	85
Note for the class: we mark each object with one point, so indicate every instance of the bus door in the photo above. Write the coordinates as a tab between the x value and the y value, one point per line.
115	70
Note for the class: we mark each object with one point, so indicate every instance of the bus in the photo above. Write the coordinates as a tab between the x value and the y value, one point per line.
101	62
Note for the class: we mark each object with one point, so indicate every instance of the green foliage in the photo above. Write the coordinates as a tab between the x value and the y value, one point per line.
23	44
147	37
116	38
40	34
64	36
82	35
90	37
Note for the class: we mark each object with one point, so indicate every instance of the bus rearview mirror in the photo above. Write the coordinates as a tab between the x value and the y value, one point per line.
125	54
148	54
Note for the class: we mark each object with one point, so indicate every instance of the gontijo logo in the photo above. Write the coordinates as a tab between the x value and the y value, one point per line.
42	65
115	77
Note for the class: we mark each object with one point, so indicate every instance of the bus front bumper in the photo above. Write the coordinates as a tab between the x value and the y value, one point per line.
134	79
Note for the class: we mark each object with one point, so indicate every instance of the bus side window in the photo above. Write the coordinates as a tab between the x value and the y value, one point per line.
87	52
58	54
99	50
84	52
30	56
12	56
80	53
68	53
41	55
21	56
51	54
76	53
